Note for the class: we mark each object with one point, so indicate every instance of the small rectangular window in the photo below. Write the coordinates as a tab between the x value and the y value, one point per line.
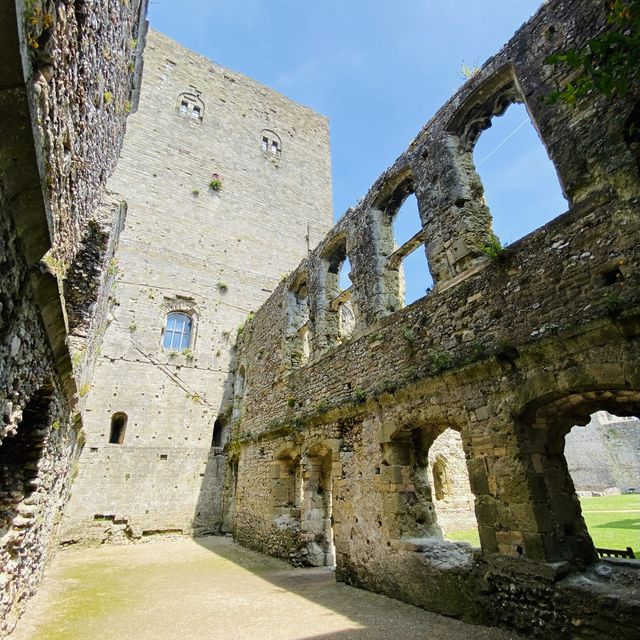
274	148
265	144
183	108
195	113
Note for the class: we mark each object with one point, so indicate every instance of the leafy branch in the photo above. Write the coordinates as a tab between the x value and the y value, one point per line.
608	64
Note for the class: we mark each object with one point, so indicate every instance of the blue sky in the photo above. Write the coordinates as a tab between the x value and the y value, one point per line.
379	71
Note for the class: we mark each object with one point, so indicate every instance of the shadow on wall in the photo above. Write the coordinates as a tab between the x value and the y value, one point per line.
215	495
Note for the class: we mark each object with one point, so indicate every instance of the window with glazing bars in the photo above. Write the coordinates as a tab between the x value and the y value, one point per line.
177	333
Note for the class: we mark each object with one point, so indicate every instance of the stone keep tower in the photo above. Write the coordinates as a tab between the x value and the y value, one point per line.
193	262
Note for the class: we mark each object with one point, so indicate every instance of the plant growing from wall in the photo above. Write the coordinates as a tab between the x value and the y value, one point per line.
439	360
215	184
468	72
323	406
188	354
57	266
409	335
359	395
37	22
112	269
222	287
493	248
614	305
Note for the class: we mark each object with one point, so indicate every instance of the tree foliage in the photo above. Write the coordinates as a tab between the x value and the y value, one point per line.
608	64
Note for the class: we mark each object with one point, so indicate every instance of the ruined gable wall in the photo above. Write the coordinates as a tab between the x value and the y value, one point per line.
52	138
509	352
214	255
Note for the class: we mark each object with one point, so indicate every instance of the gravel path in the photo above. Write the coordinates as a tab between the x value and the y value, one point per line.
209	589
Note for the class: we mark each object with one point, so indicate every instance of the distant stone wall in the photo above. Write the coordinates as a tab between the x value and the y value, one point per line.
604	455
57	147
335	421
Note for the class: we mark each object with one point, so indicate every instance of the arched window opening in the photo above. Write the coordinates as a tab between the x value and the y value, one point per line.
297	330
454	501
218	437
190	107
270	143
287	487
409	505
409	257
177	331
585	454
346	318
402	244
238	393
317	506
429	494
603	458
20	455
521	185
339	319
118	427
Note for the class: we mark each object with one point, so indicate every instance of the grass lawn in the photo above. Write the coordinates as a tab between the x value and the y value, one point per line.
613	523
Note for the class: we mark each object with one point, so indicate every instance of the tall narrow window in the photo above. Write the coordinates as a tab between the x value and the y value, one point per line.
297	330
410	259
195	113
118	427
177	333
265	143
184	106
218	432
339	313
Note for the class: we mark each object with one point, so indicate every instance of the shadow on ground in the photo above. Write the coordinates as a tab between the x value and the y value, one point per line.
212	588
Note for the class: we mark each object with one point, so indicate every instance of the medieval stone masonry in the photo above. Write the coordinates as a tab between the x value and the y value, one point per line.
177	355
330	449
68	80
203	256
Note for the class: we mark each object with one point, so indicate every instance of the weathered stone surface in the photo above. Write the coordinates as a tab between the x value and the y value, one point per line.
510	353
214	255
57	147
604	455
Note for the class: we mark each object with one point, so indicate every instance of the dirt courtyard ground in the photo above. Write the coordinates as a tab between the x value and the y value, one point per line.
209	589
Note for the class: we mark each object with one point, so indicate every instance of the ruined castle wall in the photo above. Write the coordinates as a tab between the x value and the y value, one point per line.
214	255
57	148
510	352
604	455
